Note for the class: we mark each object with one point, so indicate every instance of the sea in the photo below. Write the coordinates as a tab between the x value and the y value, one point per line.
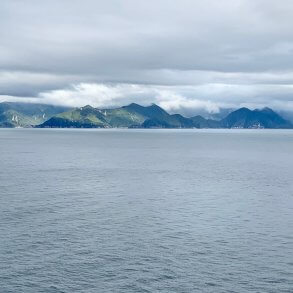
130	210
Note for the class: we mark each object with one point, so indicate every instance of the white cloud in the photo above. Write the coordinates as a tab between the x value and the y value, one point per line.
176	99
180	54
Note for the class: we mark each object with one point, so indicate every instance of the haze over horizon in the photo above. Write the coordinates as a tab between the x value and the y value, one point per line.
185	56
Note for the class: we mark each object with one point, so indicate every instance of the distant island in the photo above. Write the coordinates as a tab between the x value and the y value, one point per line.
131	116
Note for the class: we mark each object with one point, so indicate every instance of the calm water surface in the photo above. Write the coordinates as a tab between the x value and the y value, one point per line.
146	211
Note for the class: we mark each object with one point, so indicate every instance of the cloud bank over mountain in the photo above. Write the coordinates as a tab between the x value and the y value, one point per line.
184	55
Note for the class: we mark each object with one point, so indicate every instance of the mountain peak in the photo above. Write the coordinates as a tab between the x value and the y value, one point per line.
267	110
156	107
86	107
242	109
133	105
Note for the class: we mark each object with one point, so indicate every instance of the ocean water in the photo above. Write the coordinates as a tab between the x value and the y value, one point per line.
146	210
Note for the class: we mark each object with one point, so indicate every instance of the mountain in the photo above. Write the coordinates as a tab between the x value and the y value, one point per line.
131	116
84	117
287	114
200	122
219	115
125	116
154	116
171	121
246	118
89	117
26	115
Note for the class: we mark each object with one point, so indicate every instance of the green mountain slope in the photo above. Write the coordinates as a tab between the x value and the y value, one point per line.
84	117
123	117
26	115
132	115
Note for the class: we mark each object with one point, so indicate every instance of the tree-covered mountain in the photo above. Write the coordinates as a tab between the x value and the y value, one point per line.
137	116
25	114
246	118
85	117
131	116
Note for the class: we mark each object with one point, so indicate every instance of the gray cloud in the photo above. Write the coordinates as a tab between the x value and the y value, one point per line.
209	53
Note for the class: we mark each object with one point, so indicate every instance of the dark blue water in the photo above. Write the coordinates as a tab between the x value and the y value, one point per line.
146	211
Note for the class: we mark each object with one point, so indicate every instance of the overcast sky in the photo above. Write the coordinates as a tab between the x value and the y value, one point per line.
184	55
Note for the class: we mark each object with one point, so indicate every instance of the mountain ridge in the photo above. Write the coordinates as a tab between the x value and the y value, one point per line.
130	116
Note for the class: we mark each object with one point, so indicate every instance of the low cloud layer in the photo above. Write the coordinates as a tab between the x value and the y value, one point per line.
184	55
187	100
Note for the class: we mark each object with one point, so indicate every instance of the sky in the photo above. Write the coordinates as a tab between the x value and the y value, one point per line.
185	55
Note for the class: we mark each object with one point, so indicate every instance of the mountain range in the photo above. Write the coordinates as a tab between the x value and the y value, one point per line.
131	116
